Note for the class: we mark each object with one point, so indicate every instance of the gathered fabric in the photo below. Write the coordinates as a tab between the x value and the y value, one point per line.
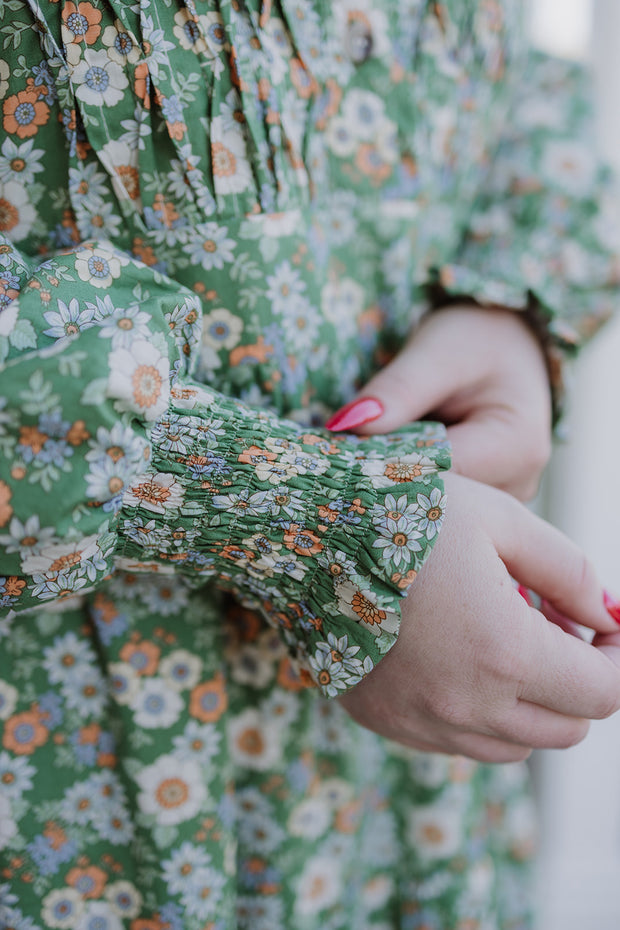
218	219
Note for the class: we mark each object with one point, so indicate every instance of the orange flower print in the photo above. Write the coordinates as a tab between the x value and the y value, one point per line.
254	740
305	84
6	511
80	23
302	541
104	609
348	817
224	163
17	214
65	561
143	656
139	378
7	291
142	83
292	679
144	252
328	514
370	162
409	469
231	169
24	112
13	586
366	610
404	580
25	732
156	493
55	834
77	433
90	882
398	470
237	554
254	455
89	735
209	700
176	130
129	179
166	210
30	436
154	923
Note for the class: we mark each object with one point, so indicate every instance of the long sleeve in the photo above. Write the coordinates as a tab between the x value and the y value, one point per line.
114	456
542	235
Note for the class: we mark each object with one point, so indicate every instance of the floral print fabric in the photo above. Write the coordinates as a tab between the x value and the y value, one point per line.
218	219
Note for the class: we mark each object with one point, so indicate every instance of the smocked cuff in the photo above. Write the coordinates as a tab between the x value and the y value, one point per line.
322	534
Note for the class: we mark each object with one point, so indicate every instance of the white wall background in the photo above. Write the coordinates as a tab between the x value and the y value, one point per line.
579	789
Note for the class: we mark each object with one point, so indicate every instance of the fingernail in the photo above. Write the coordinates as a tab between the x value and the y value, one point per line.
356	413
525	594
612	605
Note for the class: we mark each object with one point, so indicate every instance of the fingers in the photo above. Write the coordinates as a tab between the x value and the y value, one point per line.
609	645
487	749
543	559
489	446
475	746
411	386
554	616
564	674
541	728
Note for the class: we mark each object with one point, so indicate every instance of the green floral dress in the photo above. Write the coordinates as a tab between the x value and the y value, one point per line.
218	218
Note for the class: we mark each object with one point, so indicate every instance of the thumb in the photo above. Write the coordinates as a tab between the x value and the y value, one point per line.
407	389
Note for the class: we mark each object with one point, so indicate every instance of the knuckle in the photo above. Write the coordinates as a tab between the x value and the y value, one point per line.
584	576
447	708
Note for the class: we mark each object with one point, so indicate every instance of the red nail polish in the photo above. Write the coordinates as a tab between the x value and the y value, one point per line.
612	605
356	413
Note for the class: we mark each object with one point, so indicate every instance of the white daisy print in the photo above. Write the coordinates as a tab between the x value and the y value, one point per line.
319	886
254	741
17	214
139	379
100	266
172	790
156	705
232	173
221	329
124	898
432	509
157	493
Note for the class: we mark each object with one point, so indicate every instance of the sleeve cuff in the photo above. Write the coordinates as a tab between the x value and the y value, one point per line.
321	534
558	341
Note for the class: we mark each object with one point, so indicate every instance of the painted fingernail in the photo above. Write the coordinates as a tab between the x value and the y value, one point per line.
525	594
612	605
356	413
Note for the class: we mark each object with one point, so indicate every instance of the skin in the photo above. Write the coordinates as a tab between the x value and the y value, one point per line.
483	373
475	670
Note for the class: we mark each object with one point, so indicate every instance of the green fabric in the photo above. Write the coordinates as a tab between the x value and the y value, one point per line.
218	220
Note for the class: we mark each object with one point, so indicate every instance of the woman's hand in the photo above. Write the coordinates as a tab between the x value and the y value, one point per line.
483	373
475	670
